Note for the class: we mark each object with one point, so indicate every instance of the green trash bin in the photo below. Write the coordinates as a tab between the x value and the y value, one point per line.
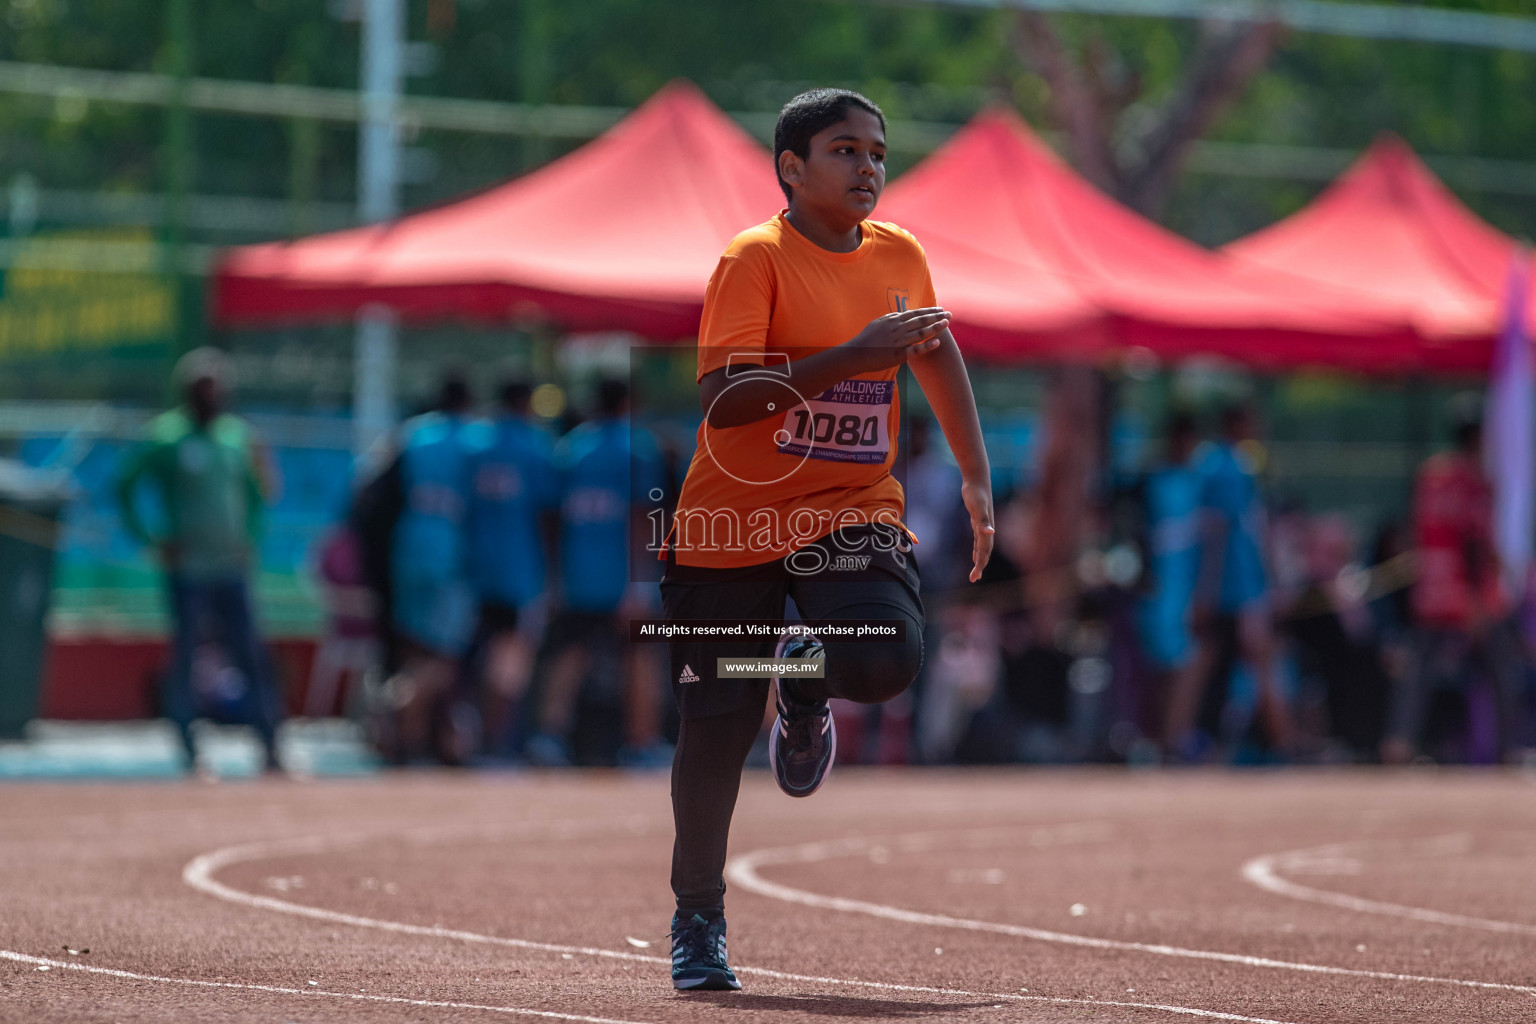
31	503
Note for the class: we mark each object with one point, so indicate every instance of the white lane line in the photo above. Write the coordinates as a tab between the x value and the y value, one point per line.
1264	872
199	873
744	872
1186	1011
6	954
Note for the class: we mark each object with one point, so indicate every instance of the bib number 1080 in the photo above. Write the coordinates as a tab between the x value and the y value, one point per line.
847	430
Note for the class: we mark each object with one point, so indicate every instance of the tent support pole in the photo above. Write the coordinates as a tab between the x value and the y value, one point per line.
373	408
378	199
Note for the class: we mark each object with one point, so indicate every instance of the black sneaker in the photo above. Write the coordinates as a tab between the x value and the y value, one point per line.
804	736
698	956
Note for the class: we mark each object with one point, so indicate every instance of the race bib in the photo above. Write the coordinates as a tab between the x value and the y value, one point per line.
848	422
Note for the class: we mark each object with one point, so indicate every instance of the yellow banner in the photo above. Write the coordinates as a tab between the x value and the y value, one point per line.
84	291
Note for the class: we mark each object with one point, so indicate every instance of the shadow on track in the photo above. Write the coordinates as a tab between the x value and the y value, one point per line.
832	1006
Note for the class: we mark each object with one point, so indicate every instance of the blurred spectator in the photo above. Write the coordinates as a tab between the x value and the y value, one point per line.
434	604
349	646
1003	663
1057	514
937	518
1172	502
934	511
1043	534
608	471
966	668
514	496
377	505
1460	609
204	468
1232	606
1336	641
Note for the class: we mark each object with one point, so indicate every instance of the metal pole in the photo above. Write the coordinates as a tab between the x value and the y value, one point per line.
378	199
178	168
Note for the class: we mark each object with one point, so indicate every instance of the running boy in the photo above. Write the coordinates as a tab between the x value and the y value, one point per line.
790	494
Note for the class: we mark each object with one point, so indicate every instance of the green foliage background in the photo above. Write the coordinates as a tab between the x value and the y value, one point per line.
922	63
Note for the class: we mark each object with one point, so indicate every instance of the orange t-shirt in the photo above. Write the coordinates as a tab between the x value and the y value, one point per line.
760	491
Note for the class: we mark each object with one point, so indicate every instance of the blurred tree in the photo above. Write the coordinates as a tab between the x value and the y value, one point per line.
1091	91
1153	85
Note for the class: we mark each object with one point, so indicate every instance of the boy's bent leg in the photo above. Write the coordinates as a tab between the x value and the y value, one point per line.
863	672
884	590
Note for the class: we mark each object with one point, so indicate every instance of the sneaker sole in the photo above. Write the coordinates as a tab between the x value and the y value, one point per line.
715	981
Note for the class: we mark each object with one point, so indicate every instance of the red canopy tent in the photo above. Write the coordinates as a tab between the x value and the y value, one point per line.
1087	275
1390	235
621	233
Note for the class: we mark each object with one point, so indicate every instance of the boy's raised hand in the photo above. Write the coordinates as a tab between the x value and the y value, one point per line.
892	339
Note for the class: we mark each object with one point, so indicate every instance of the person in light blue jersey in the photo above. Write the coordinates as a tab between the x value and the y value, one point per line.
1172	500
1233	613
514	497
609	470
434	602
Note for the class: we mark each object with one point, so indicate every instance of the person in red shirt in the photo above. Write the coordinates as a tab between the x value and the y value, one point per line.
1458	600
807	320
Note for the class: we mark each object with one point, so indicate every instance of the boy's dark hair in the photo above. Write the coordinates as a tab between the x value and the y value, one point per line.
809	113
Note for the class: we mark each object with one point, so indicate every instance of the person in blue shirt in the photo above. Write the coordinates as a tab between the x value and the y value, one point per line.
1172	501
609	470
434	603
514	495
1232	608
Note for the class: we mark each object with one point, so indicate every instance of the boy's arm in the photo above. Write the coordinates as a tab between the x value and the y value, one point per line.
941	374
887	341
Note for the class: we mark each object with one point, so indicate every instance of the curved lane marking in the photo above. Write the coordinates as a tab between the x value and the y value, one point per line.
743	871
23	958
199	873
1264	873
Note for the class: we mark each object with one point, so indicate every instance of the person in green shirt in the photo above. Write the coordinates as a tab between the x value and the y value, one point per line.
200	463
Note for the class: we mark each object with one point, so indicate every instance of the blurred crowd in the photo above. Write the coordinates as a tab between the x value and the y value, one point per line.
1192	620
500	567
478	592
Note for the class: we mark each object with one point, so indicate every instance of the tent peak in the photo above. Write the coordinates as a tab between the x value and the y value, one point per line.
1394	163
677	90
